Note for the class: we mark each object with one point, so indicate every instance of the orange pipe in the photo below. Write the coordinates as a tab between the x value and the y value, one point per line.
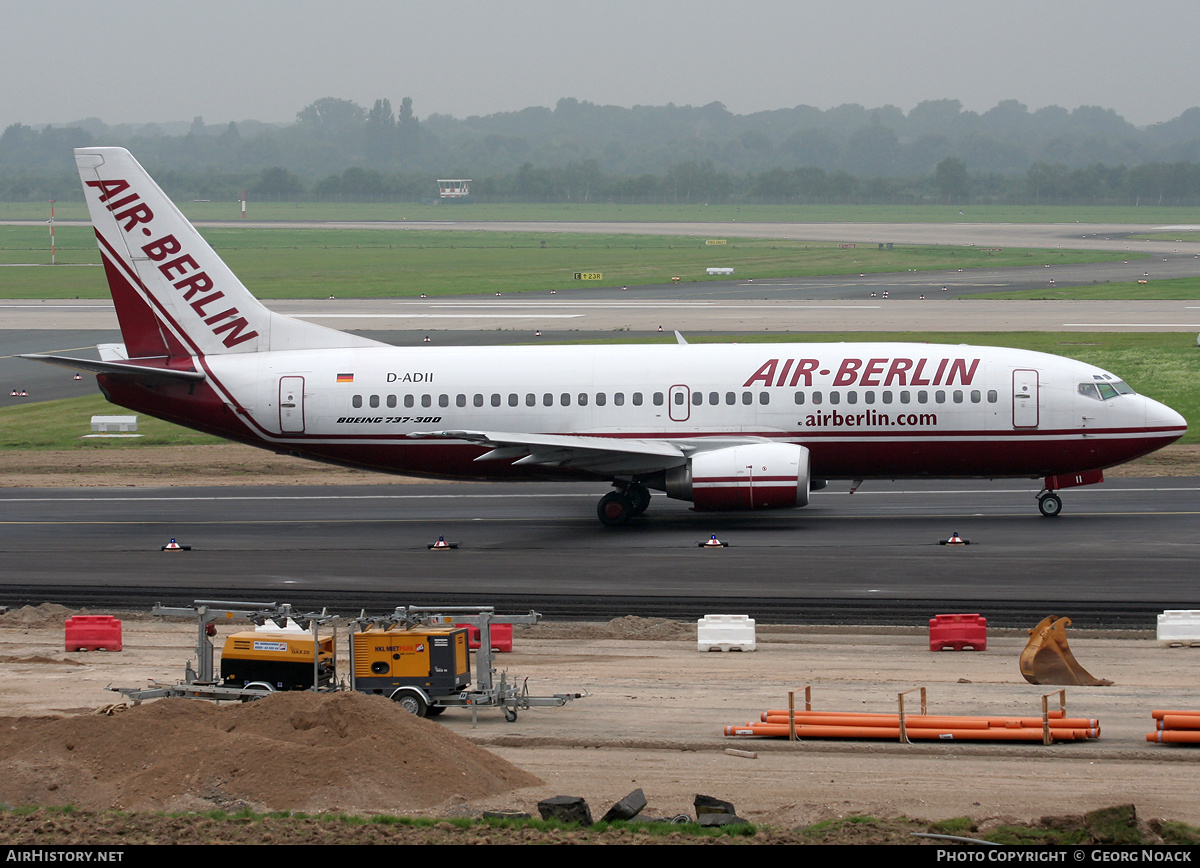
1024	734
927	721
1180	721
1175	736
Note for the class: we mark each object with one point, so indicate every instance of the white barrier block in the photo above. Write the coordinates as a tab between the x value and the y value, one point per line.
1179	627
724	271
114	423
725	633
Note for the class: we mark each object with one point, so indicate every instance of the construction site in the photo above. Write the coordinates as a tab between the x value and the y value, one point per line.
597	711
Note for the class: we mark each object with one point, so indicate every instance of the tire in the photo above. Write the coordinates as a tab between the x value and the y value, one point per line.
1050	505
639	496
510	714
434	710
614	509
259	688
411	702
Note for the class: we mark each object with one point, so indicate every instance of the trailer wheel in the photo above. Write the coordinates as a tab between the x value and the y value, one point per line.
510	714
434	710
413	703
256	690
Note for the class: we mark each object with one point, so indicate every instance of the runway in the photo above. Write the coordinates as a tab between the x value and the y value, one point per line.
1119	554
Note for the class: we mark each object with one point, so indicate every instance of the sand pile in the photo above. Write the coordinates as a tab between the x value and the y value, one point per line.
289	751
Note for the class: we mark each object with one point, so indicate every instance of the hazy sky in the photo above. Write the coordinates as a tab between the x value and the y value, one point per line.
141	61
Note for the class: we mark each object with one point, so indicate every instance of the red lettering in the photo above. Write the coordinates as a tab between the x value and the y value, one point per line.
134	216
847	372
916	377
896	372
937	378
783	374
109	188
965	374
873	369
177	265
763	375
235	327
162	248
804	369
198	304
198	282
132	197
217	317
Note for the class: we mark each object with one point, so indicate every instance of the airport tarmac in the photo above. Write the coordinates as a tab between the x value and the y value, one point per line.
1119	553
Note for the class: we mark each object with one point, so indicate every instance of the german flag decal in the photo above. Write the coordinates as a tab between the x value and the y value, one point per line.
345	378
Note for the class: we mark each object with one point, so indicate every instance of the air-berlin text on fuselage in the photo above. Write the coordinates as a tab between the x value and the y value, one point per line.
869	372
182	271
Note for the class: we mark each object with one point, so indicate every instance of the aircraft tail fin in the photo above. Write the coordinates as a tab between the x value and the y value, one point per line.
173	294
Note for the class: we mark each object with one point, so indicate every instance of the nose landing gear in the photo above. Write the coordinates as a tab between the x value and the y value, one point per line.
1049	504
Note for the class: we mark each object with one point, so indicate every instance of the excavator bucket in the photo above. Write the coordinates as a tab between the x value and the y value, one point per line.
1047	659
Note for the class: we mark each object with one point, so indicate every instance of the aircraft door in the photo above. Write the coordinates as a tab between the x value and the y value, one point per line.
679	401
291	405
1025	399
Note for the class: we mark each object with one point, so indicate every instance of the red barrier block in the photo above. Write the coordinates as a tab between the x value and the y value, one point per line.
957	632
501	637
93	633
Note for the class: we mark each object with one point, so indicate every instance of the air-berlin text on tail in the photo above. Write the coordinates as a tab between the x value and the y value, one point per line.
871	372
182	271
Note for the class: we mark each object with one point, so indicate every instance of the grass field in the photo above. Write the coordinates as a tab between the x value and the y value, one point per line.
602	211
1164	366
1183	289
354	263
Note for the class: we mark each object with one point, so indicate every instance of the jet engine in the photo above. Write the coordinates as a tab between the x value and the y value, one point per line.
751	476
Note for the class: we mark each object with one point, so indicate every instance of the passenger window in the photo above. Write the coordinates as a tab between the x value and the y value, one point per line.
601	399
764	397
730	398
697	398
444	400
583	399
816	397
747	398
852	397
479	400
940	396
869	397
495	399
904	396
530	399
547	400
976	397
799	397
356	401
391	400
374	401
658	399
619	399
679	399
409	400
460	400
513	399
993	396
426	400
637	399
565	399
887	397
958	396
714	397
922	397
835	397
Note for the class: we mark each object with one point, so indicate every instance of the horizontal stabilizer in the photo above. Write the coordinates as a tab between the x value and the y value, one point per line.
137	373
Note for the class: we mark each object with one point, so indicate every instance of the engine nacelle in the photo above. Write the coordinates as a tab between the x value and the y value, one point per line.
753	476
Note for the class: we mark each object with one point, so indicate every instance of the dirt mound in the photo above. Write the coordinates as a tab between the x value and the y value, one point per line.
628	627
45	615
289	751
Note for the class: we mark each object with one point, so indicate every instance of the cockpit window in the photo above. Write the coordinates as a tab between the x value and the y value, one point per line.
1105	390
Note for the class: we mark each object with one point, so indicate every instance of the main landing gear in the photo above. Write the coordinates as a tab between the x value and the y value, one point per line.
1049	504
618	507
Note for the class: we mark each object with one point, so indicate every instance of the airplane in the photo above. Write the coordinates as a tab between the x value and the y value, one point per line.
726	427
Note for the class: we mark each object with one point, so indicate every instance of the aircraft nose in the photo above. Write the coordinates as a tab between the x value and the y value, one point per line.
1161	416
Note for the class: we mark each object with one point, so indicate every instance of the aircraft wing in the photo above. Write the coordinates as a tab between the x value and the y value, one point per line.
137	373
602	455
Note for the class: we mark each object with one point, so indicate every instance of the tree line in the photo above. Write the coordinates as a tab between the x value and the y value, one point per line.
583	152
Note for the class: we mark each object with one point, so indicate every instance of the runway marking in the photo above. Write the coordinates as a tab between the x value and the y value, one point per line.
437	315
1132	325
